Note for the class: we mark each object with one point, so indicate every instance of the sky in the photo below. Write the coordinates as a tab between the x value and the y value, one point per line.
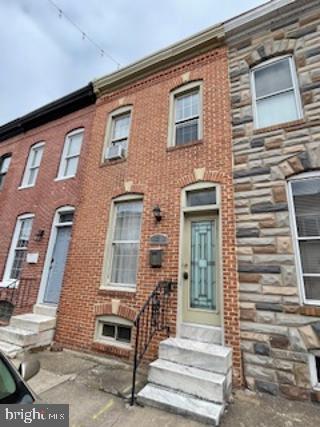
43	57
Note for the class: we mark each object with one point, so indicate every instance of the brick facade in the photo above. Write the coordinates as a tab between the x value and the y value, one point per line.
45	197
159	174
277	330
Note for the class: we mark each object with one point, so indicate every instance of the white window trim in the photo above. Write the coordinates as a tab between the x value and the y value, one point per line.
5	280
313	370
107	138
2	158
106	284
293	226
28	167
295	89
188	87
117	321
63	158
200	186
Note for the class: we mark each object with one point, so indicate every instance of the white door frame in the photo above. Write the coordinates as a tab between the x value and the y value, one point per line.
52	241
200	209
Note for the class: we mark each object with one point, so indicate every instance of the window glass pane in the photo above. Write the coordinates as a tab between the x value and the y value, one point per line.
121	126
277	109
186	132
25	232
310	256
108	330
33	173
4	164
306	196
66	217
74	144
36	156
19	258
124	263
202	197
318	368
312	288
187	106
124	333
71	166
273	78
7	383
128	221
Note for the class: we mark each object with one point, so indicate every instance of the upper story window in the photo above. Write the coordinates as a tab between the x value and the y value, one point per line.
117	134
4	167
305	194
33	165
70	155
186	114
276	97
19	248
124	243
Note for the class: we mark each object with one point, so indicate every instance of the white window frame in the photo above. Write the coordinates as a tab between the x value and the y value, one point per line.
6	281
315	383
108	258
2	173
116	321
295	89
29	166
108	141
293	224
65	157
180	91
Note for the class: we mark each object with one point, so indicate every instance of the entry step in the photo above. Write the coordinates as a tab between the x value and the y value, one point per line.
201	333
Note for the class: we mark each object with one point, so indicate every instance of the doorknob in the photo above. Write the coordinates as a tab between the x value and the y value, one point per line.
185	275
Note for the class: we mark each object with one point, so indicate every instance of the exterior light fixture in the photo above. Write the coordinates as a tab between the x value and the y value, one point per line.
157	213
39	235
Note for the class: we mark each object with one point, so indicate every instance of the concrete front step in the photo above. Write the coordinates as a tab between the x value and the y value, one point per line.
181	403
45	310
10	350
209	357
33	322
193	381
25	338
201	333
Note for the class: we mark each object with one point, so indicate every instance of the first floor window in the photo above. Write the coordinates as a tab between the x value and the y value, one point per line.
4	167
19	248
70	155
33	165
276	97
306	209
125	243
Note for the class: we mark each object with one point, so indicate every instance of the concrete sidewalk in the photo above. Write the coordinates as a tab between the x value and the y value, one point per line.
96	390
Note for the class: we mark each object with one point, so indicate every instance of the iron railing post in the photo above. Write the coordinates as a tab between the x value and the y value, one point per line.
135	362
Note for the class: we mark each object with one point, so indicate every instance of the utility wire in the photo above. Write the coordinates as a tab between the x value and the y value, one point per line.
84	34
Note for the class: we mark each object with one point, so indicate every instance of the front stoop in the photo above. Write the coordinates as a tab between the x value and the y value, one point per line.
27	331
190	378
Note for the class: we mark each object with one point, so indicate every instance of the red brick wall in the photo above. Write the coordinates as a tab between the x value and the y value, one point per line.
47	195
159	174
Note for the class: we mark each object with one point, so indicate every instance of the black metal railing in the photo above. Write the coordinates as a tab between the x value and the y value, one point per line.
15	295
151	319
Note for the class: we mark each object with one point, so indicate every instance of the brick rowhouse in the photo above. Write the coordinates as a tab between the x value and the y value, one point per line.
158	173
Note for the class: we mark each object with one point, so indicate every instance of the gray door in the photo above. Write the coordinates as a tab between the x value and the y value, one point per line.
57	265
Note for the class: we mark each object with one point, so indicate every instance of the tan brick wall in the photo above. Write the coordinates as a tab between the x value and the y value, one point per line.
159	174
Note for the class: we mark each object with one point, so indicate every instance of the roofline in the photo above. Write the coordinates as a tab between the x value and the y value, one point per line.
70	103
187	47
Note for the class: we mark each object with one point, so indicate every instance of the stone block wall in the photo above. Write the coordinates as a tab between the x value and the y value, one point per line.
277	330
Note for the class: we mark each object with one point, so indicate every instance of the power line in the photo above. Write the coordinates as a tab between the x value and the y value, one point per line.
84	34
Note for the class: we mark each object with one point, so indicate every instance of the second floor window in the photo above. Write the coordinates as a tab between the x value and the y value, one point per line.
276	97
4	167
186	116
117	134
70	155
33	165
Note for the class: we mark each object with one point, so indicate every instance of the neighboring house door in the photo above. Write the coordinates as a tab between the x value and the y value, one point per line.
57	265
200	270
57	253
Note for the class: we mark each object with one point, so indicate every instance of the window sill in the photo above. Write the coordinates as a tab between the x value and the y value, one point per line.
107	290
188	144
113	162
25	187
296	124
310	310
9	284
63	178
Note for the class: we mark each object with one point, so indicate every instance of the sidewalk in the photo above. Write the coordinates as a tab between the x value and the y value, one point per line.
95	389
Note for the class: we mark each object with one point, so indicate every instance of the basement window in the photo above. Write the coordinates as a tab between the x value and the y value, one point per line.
114	330
315	370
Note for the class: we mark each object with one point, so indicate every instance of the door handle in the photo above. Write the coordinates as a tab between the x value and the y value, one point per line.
185	275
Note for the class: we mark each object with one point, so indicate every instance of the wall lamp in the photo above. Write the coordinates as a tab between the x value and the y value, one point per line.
39	235
157	213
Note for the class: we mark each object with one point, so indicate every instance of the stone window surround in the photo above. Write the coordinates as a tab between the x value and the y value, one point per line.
301	176
114	320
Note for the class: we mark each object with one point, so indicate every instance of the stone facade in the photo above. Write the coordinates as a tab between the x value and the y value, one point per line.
277	329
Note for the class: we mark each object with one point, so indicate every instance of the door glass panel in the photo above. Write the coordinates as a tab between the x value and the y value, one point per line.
203	265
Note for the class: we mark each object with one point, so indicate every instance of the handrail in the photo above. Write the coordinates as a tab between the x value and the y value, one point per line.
17	294
152	318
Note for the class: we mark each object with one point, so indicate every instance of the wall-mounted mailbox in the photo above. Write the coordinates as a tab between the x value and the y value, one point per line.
155	257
